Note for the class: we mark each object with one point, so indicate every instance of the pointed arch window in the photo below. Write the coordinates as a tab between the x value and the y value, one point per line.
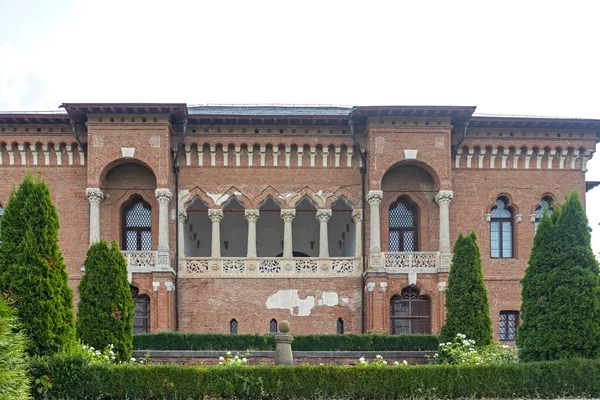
501	230
403	230
340	326
137	226
273	326
141	316
233	327
410	312
546	204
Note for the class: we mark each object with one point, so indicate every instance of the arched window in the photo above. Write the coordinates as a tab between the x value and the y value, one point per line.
410	312
509	320
137	226
340	326
546	204
501	230
141	317
233	326
273	326
403	226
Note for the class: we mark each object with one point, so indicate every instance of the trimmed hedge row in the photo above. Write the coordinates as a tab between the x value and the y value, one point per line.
72	380
202	341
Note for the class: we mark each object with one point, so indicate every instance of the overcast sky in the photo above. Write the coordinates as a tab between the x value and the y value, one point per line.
510	57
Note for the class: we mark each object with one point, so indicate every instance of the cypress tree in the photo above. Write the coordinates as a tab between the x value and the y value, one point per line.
32	269
105	312
467	309
561	289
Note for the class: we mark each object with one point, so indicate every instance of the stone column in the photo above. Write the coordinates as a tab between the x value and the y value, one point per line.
251	217
323	216
374	198
95	196
443	199
215	216
162	256
357	218
287	216
181	218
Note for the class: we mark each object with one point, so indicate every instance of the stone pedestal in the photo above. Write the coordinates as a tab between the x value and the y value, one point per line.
283	345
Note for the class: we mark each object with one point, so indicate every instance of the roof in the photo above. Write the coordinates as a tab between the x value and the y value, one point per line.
533	122
269	110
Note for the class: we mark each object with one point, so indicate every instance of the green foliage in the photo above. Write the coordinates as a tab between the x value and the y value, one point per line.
467	308
348	342
32	269
462	351
14	362
105	313
561	289
75	379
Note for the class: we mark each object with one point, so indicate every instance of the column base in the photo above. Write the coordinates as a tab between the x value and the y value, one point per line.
445	262
375	261
163	260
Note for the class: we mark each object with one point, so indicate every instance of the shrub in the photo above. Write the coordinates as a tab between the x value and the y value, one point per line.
74	379
348	342
32	269
14	362
467	308
561	289
462	351
105	314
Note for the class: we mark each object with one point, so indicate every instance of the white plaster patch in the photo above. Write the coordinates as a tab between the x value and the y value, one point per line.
237	193
214	197
320	302
218	198
330	299
289	300
345	300
128	152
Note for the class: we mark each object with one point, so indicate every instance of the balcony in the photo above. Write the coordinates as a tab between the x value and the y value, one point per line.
412	262
226	267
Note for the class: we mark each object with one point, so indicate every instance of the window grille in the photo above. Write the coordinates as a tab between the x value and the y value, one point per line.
403	226
410	312
233	327
141	316
546	204
501	230
273	326
137	226
509	320
340	326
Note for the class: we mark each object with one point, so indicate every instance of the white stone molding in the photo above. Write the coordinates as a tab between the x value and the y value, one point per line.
370	286
129	152
481	156
164	198
181	218
287	216
562	157
383	286
263	155
1	148
215	216
288	155
412	278
213	156
238	156
225	150
574	157
23	152
528	155
11	153
493	154
250	152
94	196
470	153
374	198
69	153
58	152
540	156
46	154
505	153
443	198
585	157
349	153
457	158
324	155
169	286
300	155
200	155
188	155
518	218
411	154
323	216
551	155
488	217
155	286
35	154
337	151
357	219
275	155
441	286
251	216
532	218
313	154
516	157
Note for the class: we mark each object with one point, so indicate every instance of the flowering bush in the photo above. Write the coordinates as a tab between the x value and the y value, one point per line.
379	361
463	351
232	360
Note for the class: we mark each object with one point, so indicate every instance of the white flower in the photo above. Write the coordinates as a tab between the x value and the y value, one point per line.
228	353
221	359
466	343
378	356
396	363
406	362
385	362
245	360
132	359
220	363
362	359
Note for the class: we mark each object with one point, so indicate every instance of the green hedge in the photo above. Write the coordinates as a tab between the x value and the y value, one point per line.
72	380
201	341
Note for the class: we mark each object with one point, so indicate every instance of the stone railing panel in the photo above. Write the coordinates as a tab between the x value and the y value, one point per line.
404	262
140	259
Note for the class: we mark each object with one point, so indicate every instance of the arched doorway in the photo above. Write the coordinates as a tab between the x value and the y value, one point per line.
141	319
410	312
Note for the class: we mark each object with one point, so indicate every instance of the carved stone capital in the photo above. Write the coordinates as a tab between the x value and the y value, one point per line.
374	197
323	215
163	195
94	195
251	215
288	215
356	215
215	215
182	216
444	196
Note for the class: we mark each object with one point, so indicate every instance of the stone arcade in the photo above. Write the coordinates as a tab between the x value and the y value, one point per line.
338	219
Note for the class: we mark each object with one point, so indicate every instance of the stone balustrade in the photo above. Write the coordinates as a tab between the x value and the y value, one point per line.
226	267
406	262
